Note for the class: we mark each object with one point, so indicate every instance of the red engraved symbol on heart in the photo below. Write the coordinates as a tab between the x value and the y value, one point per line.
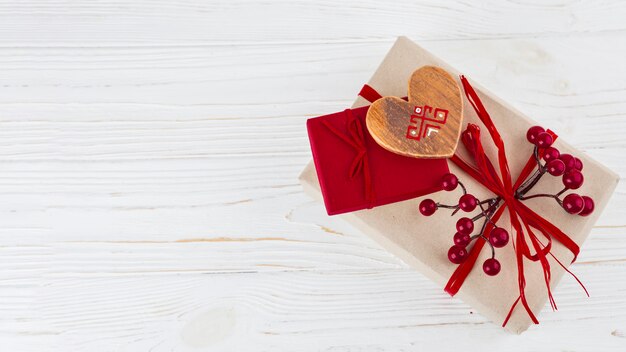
421	125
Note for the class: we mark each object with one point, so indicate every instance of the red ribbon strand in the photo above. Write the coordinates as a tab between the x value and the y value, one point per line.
370	94
360	164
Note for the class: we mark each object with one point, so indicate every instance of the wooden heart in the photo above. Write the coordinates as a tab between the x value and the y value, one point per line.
428	125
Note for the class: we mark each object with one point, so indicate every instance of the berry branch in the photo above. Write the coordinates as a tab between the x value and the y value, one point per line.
549	161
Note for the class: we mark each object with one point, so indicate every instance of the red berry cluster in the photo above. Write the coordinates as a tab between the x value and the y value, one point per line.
497	237
557	164
554	163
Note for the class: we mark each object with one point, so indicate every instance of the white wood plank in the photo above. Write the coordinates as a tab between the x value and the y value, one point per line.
192	22
308	311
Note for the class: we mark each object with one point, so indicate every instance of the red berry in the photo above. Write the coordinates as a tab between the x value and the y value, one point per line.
428	207
465	225
578	164
569	161
556	167
573	203
449	182
550	154
467	202
462	239
498	237
544	140
573	179
457	254
491	266
532	133
588	207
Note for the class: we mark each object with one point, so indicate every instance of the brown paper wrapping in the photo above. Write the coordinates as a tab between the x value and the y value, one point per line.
423	242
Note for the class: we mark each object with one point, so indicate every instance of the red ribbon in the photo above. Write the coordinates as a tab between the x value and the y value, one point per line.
360	164
370	94
525	222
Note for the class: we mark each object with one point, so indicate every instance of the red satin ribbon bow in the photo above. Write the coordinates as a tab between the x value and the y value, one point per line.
360	164
525	222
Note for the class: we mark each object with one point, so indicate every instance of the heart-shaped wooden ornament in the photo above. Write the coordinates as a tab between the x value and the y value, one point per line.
428	125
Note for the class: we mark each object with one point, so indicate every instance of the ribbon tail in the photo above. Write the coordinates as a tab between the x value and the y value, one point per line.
571	273
519	256
508	316
541	256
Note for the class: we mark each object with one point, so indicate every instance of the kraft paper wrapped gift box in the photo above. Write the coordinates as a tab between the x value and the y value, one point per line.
423	242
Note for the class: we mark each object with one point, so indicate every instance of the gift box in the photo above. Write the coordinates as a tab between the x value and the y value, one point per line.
356	173
423	242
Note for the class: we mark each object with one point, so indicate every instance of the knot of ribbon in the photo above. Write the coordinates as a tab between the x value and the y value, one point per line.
355	137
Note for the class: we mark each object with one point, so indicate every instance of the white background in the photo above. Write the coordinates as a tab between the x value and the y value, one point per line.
149	154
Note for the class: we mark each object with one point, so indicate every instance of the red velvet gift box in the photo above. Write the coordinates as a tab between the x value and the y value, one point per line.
356	173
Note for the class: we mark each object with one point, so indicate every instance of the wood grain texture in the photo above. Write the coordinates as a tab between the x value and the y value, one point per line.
428	125
149	153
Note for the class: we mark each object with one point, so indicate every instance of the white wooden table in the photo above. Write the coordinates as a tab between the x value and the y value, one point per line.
149	152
